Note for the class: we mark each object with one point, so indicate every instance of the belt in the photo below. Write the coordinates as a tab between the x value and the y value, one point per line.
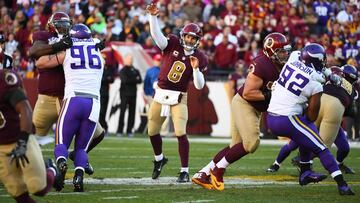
273	114
86	95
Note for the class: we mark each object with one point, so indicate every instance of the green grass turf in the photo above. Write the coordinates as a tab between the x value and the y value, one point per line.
132	158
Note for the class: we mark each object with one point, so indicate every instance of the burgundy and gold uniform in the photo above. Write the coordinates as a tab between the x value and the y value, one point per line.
31	177
176	71
51	91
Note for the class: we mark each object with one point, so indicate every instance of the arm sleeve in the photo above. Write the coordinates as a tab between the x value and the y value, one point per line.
199	80
156	33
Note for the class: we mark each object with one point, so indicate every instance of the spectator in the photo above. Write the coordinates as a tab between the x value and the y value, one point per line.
225	62
130	77
345	16
237	78
324	12
192	10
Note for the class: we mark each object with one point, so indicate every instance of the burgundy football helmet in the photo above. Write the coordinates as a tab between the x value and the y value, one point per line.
337	71
59	23
193	30
277	47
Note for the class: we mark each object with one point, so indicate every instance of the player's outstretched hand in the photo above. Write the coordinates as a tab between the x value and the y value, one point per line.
152	9
19	153
194	62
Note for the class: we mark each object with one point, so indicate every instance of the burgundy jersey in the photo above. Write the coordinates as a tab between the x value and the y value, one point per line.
52	80
345	93
9	118
263	67
238	79
176	70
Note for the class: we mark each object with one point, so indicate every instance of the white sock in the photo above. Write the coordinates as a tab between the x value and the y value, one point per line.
159	157
53	170
208	167
277	163
222	163
186	169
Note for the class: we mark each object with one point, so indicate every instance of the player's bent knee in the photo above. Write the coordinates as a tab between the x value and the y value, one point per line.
251	147
36	185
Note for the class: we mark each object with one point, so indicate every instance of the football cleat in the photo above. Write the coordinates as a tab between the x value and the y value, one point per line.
183	177
345	169
158	165
310	177
273	168
62	166
78	183
217	180
88	168
200	178
345	190
58	182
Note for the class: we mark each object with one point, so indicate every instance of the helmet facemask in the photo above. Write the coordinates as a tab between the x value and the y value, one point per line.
187	44
282	55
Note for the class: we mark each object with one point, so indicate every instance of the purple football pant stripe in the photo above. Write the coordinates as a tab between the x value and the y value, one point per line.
75	120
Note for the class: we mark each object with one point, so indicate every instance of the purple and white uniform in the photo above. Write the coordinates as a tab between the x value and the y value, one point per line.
83	68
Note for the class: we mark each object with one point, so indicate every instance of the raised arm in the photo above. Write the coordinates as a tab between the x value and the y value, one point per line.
40	48
155	30
50	61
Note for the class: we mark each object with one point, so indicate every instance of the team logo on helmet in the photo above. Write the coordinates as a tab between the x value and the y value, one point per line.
10	78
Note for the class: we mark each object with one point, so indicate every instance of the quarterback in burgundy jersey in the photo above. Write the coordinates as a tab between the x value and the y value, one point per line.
246	107
22	165
182	62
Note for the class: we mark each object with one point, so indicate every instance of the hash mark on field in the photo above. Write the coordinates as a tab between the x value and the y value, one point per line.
129	197
200	200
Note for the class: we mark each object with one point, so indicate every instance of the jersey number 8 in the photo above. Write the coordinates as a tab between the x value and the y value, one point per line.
78	53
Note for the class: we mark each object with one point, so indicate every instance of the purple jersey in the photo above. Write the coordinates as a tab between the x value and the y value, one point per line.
263	67
9	118
52	80
176	70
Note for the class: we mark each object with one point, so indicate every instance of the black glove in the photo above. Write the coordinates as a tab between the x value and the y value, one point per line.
101	45
19	152
267	95
64	43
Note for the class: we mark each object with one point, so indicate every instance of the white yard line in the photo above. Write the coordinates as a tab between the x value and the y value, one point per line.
197	201
112	198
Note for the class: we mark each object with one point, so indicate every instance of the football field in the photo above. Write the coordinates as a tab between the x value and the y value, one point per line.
123	168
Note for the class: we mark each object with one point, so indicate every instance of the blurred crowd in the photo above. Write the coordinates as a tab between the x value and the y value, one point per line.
233	29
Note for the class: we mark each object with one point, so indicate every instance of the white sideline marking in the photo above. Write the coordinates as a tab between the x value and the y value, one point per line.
200	200
129	197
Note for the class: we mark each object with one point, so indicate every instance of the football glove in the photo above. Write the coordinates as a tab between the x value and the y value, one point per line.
267	95
335	79
100	45
19	152
64	43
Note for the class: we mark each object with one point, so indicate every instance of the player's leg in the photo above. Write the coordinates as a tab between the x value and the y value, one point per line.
305	134
283	154
11	176
154	125
44	116
179	115
66	127
38	178
343	149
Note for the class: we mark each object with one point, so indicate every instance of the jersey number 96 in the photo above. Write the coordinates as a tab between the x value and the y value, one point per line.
80	53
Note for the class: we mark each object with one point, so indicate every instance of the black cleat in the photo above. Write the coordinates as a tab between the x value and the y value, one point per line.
273	168
310	177
345	169
345	190
62	166
183	177
158	165
88	168
78	183
58	182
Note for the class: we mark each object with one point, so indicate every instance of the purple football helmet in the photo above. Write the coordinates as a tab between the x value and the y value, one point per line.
350	73
80	31
313	55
